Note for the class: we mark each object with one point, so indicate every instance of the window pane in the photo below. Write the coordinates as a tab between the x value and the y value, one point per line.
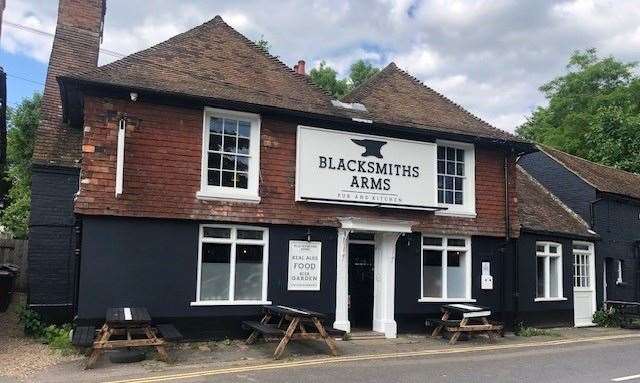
448	183
440	196
460	155
432	241
441	152
458	198
250	234
213	162
448	197
580	246
456	242
540	277
451	154
540	248
554	263
228	162
244	129
451	167
228	178
215	142
214	274
456	274
242	163
230	126
217	232
553	249
243	145
213	177
432	273
215	125
457	184
248	278
440	182
230	144
242	180
441	166
460	169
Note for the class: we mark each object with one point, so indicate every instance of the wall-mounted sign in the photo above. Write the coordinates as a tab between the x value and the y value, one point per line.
304	266
486	280
350	168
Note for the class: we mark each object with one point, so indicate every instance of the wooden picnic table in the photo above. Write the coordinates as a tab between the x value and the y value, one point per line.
474	320
292	324
134	329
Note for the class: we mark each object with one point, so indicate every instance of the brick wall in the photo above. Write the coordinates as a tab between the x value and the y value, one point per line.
75	50
162	175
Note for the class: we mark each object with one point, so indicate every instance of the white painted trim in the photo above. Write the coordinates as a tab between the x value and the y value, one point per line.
122	130
233	241
384	284
550	299
443	248
208	192
468	208
342	281
447	300
375	225
229	303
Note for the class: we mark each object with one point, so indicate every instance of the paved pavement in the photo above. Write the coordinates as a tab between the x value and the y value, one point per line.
600	361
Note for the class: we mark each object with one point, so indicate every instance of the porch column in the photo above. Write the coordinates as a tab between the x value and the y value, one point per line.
384	285
342	282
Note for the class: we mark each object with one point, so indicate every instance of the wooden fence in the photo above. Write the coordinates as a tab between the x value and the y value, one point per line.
15	251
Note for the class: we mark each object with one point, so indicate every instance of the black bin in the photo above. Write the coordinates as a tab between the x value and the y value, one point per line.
8	274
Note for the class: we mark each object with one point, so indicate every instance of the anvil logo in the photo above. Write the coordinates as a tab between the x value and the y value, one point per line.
371	147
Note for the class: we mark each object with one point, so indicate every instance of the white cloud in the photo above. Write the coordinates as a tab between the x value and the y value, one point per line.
420	61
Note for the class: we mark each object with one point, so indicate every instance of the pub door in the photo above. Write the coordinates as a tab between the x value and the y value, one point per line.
361	279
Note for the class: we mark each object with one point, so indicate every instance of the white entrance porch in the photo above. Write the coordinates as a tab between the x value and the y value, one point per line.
386	234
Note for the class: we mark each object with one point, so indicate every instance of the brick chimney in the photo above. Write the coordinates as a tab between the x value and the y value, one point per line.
299	67
75	50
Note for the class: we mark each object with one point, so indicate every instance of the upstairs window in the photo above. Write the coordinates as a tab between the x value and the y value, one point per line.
230	155
456	178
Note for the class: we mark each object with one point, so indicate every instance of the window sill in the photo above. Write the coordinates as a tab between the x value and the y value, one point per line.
210	196
448	300
550	299
453	213
230	303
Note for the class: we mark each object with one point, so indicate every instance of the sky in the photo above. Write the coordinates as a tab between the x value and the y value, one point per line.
490	56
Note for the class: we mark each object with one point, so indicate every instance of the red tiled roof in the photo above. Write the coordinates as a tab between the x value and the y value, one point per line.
604	178
539	210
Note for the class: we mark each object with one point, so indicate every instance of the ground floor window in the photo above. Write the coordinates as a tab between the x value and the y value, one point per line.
548	271
446	268
620	270
232	265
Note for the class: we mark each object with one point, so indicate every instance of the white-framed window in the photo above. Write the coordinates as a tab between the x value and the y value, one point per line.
620	269
445	269
230	155
232	265
582	265
549	271
456	178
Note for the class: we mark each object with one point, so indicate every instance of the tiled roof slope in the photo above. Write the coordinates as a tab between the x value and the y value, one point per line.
539	210
215	61
603	178
393	96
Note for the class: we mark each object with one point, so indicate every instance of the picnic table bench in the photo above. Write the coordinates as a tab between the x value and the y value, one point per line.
474	320
133	327
292	324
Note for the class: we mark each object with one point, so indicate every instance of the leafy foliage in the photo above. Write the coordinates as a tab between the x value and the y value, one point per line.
57	337
263	43
327	78
593	112
607	318
520	329
23	121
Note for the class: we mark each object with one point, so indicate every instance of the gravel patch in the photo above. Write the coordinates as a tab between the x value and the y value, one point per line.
22	356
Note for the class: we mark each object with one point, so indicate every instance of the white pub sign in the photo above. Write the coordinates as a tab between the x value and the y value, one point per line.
360	169
304	265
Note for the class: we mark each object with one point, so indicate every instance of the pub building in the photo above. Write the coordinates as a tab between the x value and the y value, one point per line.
203	178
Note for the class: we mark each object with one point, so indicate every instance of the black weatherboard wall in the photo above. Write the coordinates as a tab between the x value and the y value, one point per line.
153	263
52	242
410	314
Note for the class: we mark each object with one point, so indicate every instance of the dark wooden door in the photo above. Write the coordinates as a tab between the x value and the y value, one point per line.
361	277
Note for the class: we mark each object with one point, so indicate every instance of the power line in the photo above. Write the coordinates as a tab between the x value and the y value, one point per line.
25	79
49	34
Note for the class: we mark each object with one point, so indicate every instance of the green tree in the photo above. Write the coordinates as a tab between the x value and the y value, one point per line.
327	78
263	43
593	112
23	121
360	72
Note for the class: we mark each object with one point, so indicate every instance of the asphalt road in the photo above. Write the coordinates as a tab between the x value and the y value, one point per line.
601	361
